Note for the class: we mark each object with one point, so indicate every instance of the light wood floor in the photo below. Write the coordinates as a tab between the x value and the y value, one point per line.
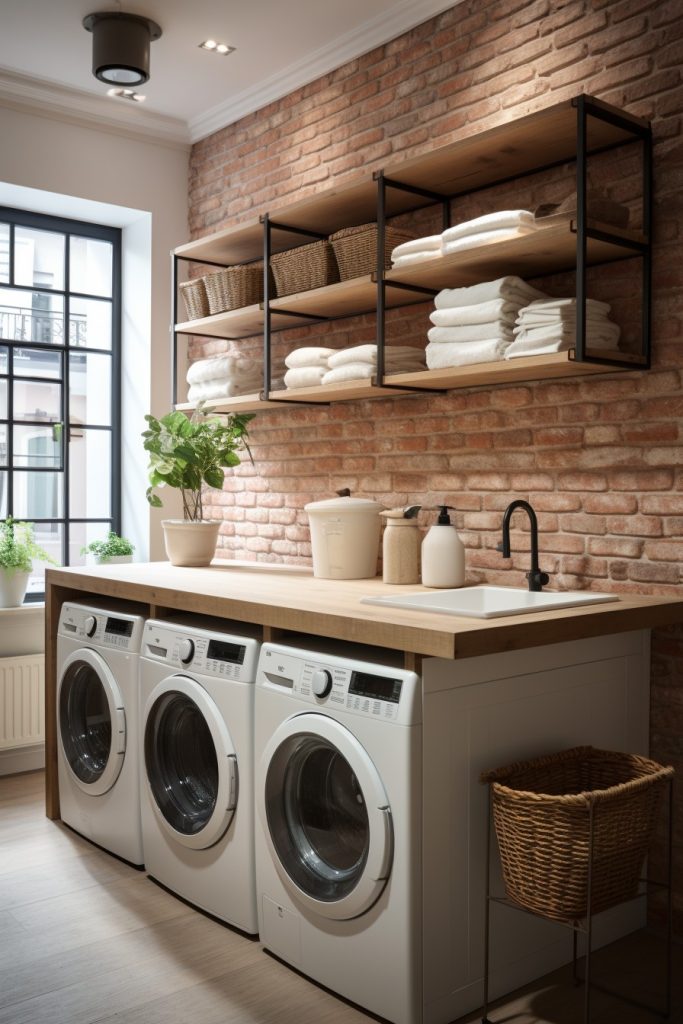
85	938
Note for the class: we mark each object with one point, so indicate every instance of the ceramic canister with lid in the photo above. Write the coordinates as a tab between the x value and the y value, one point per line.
344	537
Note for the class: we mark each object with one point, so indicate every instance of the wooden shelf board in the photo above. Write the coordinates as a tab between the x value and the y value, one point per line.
241	403
235	323
503	371
348	391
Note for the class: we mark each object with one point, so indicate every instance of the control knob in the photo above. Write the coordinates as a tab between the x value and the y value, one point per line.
321	681
186	651
90	625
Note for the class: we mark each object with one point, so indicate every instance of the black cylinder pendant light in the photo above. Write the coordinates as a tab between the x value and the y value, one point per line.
120	46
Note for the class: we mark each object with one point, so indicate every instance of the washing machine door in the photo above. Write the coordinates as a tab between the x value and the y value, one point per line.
190	763
326	816
91	722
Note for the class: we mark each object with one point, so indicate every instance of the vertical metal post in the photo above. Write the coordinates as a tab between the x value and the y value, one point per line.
646	293
266	306
174	336
581	218
669	901
381	284
589	915
487	923
575	974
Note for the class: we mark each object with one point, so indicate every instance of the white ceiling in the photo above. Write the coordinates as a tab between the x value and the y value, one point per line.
45	55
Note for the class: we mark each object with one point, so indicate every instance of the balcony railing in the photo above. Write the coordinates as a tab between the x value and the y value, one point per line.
42	326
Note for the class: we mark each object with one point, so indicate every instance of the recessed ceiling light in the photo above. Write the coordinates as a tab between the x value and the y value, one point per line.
212	45
126	94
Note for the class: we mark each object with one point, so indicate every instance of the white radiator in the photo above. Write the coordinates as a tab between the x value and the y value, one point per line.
22	701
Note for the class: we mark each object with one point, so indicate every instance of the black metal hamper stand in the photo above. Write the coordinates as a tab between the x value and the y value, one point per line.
573	832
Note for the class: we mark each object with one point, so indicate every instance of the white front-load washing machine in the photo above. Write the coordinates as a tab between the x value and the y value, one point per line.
97	726
197	791
338	839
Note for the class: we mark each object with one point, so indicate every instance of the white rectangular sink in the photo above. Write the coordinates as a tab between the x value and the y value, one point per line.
489	602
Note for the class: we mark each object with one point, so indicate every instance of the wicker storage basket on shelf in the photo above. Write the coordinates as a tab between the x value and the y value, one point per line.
356	249
542	811
235	287
195	298
306	267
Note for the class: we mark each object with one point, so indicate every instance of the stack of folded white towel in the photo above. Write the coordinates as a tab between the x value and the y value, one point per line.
223	376
550	326
306	366
360	362
475	324
491	227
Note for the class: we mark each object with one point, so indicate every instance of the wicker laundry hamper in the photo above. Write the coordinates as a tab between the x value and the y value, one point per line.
195	298
356	249
235	287
306	267
542	816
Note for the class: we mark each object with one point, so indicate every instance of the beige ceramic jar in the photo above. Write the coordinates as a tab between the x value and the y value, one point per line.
401	546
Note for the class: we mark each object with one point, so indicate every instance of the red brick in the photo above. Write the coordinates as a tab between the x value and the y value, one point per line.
616	546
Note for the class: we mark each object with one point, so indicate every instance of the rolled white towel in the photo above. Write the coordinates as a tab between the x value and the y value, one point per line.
498	221
464	354
218	368
511	289
310	355
469	333
416	257
485	238
304	376
350	371
223	389
427	244
368	354
482	313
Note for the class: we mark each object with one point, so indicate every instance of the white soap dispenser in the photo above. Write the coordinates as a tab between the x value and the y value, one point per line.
443	553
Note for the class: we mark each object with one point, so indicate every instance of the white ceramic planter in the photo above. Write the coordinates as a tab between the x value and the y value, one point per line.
190	543
112	559
13	586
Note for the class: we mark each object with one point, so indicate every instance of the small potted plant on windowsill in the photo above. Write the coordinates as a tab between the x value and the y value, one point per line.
189	454
113	549
17	551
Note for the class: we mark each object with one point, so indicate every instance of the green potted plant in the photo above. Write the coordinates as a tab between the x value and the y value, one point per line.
17	551
113	549
189	454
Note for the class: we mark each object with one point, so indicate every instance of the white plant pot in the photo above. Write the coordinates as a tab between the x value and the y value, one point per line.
190	543
13	586
112	559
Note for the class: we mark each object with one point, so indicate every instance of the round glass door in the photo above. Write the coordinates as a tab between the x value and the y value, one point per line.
91	722
327	817
190	763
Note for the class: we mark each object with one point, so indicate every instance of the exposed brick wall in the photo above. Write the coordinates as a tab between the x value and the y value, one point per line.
599	458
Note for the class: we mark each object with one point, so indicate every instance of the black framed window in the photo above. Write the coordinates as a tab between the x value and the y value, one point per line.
60	380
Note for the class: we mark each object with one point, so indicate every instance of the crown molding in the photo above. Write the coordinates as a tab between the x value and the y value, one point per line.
73	106
375	32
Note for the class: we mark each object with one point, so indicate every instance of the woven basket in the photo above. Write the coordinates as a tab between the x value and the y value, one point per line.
195	298
308	266
235	287
356	249
541	811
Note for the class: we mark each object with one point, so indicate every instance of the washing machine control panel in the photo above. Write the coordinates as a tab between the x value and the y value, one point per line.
102	628
363	688
218	655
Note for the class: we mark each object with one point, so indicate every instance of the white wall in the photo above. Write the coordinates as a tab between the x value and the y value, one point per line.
143	183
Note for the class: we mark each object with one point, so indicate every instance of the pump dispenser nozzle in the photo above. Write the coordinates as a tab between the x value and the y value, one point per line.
444	518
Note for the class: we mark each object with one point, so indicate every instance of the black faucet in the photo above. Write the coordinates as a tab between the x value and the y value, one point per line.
536	578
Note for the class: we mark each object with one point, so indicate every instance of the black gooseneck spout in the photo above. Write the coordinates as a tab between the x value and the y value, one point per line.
536	578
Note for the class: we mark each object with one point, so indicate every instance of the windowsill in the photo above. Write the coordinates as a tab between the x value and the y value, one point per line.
32	606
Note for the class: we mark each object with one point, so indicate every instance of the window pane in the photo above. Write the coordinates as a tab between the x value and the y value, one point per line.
90	266
37	495
90	323
31	316
90	389
35	362
90	474
49	537
3	495
4	360
3	399
37	447
4	253
39	257
82	534
36	400
3	445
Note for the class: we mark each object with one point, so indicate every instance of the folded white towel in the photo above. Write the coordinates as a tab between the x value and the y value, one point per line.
485	238
470	332
490	222
219	368
464	354
512	289
559	343
205	390
482	313
416	257
417	245
594	328
563	308
368	354
364	371
304	376
310	355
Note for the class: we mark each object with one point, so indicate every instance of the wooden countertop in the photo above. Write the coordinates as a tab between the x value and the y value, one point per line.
291	598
